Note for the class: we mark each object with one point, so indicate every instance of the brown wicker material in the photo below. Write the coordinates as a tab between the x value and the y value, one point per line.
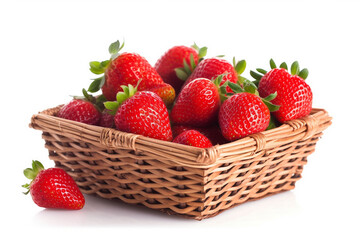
179	179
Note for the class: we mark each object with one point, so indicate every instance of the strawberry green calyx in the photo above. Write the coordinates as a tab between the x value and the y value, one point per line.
98	101
273	123
128	92
239	68
115	48
202	51
221	89
250	87
99	68
184	72
294	70
31	173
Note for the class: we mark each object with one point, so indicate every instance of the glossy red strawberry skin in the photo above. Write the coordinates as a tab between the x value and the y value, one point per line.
210	68
197	104
294	95
213	133
166	92
54	188
243	114
81	111
193	138
129	68
145	114
173	59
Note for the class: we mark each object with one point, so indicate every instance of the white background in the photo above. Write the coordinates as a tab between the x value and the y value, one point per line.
45	50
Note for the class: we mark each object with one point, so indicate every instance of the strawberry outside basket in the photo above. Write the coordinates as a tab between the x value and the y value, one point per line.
179	179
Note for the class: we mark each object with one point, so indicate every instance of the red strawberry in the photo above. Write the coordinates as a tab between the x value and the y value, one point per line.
122	69
243	114
178	129
166	92
107	120
81	111
193	138
197	104
213	133
211	68
177	57
53	188
141	113
294	95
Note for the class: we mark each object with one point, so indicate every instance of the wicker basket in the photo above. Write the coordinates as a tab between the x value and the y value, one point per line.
179	179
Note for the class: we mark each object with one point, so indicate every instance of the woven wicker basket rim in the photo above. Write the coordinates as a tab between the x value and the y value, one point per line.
246	148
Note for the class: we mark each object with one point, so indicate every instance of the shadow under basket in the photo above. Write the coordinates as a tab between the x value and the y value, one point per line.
179	179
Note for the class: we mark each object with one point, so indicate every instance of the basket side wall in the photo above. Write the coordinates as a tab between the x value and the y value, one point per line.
129	176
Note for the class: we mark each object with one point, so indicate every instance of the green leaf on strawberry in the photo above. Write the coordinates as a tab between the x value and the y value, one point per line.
128	92
250	87
96	84
184	72
99	67
295	68
304	73
272	64
202	51
181	74
256	76
273	123
115	47
239	69
235	87
239	66
283	65
31	173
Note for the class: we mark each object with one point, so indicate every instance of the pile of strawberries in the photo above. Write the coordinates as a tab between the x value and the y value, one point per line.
188	98
185	98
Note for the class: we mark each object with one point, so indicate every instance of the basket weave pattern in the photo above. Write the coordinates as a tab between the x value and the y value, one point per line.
179	179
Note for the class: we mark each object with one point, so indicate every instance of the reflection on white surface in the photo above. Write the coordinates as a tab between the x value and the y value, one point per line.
111	213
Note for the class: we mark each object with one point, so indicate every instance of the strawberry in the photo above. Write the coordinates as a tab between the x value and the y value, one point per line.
213	133
53	188
294	95
141	113
178	129
193	138
182	58
197	104
244	112
211	68
107	119
165	91
122	69
81	111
